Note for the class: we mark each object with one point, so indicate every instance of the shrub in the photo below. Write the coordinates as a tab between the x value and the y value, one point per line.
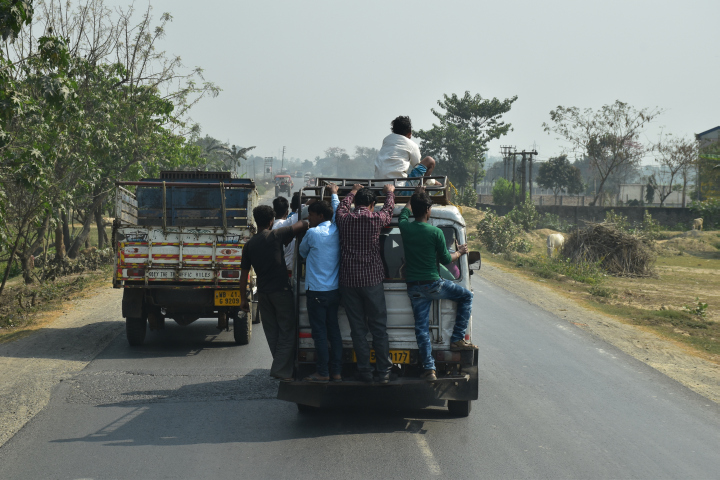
468	197
499	234
590	273
502	192
601	291
525	214
554	222
699	309
709	210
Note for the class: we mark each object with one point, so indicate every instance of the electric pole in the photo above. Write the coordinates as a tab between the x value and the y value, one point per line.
282	163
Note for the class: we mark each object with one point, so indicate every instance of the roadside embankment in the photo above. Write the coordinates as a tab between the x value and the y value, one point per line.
30	367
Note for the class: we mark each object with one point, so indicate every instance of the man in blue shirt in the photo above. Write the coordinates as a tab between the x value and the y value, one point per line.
321	248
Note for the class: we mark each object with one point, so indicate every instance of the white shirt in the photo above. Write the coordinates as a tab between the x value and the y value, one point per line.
290	247
396	157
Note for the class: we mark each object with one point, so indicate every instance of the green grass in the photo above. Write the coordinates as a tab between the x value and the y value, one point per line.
552	268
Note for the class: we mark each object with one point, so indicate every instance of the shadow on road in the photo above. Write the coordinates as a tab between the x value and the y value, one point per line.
234	411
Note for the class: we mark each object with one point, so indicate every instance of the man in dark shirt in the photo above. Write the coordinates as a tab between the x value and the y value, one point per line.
362	274
425	248
264	253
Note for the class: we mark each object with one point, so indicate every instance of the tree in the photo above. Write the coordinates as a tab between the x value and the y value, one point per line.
677	156
650	190
558	174
459	141
609	136
502	192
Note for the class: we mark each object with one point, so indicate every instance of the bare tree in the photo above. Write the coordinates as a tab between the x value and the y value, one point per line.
609	136
676	155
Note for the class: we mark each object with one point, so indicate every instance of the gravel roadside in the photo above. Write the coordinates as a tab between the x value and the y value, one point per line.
32	366
670	358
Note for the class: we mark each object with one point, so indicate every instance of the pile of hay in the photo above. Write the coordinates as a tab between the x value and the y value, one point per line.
619	253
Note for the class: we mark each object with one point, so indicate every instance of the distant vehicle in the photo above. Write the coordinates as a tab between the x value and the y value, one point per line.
307	176
283	184
178	241
310	182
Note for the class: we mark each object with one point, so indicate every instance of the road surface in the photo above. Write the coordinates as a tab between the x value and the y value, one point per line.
555	402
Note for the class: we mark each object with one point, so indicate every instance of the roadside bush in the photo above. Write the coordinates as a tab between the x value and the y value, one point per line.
554	222
502	192
468	197
499	234
601	291
525	215
590	273
709	210
648	228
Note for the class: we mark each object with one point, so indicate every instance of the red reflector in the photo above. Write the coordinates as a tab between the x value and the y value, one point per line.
305	335
135	272
230	274
467	337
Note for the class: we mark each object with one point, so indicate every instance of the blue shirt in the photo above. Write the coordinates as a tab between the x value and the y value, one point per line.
321	248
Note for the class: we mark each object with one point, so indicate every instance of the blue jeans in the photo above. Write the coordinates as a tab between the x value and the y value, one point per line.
323	314
421	298
418	171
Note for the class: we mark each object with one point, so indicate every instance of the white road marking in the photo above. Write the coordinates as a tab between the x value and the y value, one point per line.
432	464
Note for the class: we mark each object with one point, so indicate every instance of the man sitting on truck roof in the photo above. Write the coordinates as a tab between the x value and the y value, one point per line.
399	154
361	277
424	246
264	252
321	247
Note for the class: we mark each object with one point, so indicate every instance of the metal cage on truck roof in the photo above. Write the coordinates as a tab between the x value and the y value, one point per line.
404	188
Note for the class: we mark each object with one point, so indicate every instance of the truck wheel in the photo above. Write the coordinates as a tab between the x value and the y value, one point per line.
255	313
459	408
242	328
135	329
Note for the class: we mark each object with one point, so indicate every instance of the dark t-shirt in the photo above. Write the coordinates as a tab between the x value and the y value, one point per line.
265	253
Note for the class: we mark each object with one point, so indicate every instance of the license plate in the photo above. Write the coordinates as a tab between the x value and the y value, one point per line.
228	298
397	356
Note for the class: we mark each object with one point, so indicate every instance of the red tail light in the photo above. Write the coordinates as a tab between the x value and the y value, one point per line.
230	274
135	272
305	335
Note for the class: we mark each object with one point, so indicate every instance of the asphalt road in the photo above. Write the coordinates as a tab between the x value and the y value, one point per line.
554	402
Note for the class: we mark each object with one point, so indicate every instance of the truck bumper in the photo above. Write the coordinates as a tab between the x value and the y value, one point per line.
403	392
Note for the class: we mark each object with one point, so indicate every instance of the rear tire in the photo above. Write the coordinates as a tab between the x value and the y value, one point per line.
459	408
135	330
242	328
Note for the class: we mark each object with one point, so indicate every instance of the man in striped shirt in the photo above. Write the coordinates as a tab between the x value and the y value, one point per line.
361	277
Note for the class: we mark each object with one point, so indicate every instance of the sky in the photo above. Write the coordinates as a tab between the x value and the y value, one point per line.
312	74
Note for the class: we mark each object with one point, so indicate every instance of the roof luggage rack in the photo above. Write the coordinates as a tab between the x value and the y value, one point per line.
194	175
404	188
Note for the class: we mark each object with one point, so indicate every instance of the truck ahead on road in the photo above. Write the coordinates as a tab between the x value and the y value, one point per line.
457	372
178	241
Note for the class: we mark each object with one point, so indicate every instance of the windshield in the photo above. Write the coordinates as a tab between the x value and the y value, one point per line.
393	255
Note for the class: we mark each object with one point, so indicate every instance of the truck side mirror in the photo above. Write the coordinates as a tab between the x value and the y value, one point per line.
474	260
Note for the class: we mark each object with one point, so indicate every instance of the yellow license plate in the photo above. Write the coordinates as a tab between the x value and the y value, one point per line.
227	298
397	356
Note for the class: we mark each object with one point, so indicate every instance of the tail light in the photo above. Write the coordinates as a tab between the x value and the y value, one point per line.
305	335
135	272
230	274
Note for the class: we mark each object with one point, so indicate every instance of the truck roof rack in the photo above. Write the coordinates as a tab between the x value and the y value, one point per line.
194	175
404	188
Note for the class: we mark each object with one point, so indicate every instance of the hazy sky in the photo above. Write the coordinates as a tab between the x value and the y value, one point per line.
315	74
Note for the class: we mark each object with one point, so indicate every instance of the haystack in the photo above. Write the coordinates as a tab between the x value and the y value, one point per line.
619	253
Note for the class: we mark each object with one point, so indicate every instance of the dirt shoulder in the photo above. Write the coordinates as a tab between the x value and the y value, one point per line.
675	360
30	367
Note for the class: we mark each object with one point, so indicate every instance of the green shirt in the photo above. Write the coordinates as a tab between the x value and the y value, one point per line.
424	246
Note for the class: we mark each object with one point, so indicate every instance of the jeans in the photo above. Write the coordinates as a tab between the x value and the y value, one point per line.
323	314
365	309
421	298
278	320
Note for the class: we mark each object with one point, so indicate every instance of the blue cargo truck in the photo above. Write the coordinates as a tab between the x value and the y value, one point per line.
178	241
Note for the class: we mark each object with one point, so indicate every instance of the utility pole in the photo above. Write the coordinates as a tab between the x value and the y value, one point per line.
282	163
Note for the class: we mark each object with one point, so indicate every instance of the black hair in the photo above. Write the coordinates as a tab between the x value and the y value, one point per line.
364	198
322	208
401	125
263	215
281	206
297	201
420	203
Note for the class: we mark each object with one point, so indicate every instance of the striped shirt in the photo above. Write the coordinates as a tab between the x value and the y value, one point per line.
360	262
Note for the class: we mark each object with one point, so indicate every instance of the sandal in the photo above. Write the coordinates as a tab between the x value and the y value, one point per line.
315	378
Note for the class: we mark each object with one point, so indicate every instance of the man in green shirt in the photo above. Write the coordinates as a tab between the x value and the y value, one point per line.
425	248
